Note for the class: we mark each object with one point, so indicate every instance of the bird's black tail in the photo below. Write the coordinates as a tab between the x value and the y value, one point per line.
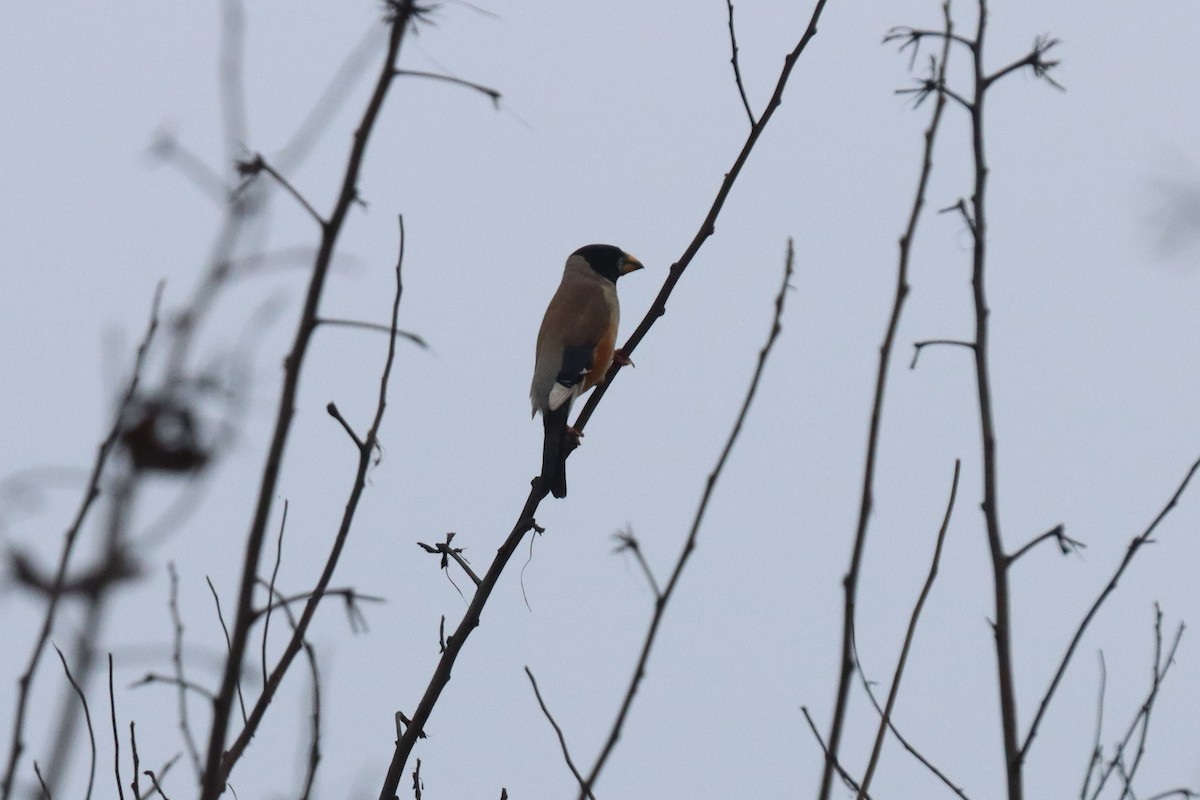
554	454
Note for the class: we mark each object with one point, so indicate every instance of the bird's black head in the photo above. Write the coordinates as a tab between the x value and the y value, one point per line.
608	261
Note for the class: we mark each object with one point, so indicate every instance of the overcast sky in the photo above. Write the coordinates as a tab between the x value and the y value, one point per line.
617	123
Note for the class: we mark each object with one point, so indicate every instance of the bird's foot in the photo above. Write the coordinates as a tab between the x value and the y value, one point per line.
575	436
619	357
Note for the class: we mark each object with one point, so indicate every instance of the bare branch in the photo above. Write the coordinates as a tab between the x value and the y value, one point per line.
112	710
1065	543
228	645
87	715
538	491
1036	61
919	346
484	90
908	637
251	167
627	541
372	326
830	758
271	588
737	68
660	606
400	14
561	739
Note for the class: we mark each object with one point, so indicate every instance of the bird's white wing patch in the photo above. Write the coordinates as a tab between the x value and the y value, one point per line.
560	394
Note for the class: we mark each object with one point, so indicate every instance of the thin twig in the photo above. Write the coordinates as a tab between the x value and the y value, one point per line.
135	783
562	741
271	588
112	711
478	87
1065	543
737	69
830	758
228	645
91	492
627	541
41	781
253	166
1135	545
184	686
332	409
87	715
367	448
154	780
866	502
374	326
908	637
660	606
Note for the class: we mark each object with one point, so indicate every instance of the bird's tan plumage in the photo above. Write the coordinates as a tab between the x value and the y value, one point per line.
575	345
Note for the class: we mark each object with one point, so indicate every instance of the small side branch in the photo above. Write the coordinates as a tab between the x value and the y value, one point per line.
919	346
561	739
627	541
737	68
1065	543
112	711
830	758
487	91
251	167
87	715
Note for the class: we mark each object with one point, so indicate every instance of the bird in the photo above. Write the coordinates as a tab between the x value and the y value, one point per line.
575	347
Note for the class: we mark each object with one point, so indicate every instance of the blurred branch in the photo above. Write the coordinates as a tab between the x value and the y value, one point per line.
180	680
886	716
850	580
627	541
16	737
660	605
217	764
538	491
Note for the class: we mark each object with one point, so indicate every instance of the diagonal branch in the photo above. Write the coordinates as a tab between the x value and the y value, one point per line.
660	605
562	741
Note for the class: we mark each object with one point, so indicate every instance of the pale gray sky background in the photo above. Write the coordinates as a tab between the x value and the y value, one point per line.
617	124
